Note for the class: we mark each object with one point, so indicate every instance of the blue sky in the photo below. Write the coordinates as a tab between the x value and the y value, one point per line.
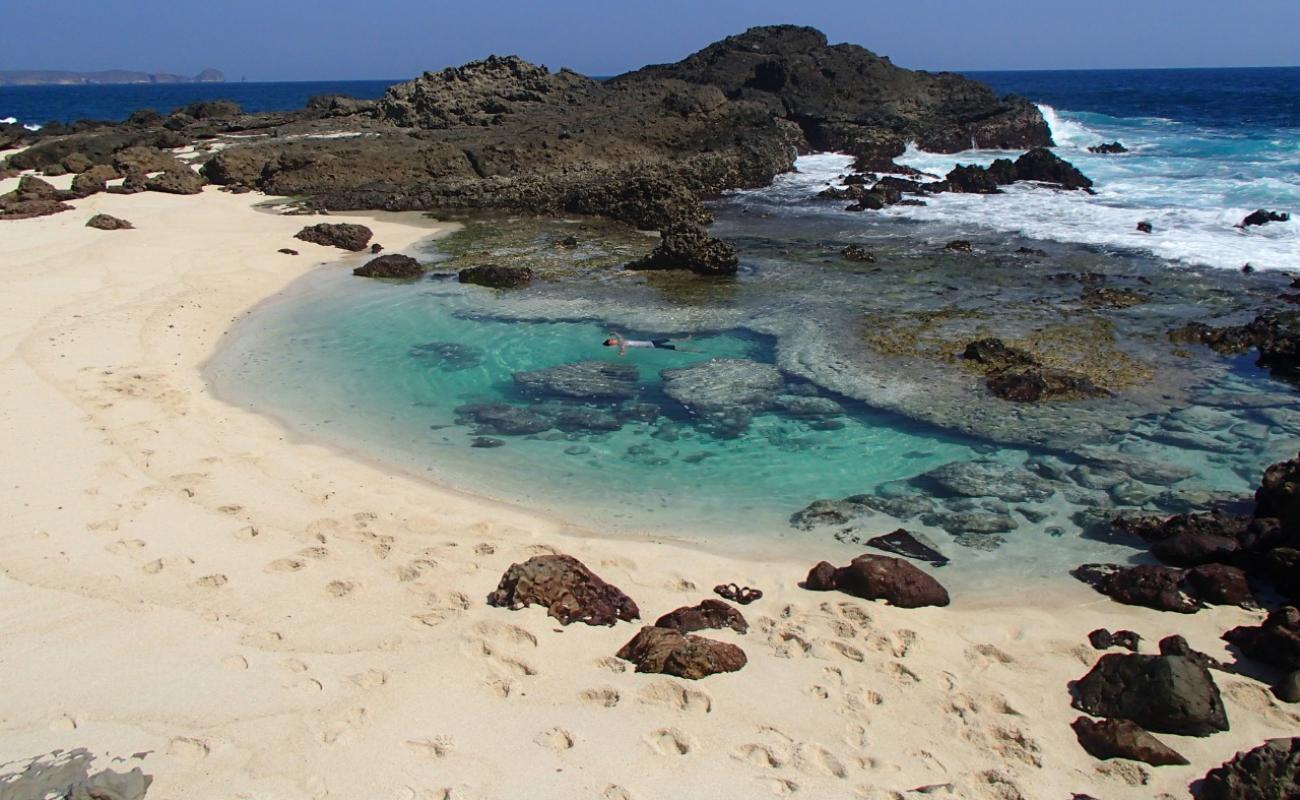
339	39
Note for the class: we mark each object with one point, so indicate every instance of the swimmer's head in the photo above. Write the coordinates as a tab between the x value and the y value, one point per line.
611	342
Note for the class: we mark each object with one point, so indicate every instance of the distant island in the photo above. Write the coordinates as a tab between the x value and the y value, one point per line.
45	77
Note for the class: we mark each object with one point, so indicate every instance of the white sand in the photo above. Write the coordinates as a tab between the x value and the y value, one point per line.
264	618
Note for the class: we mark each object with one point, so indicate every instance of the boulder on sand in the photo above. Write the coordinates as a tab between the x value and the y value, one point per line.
569	591
709	613
1120	738
107	222
1167	694
1269	772
176	181
1275	641
343	235
874	577
670	652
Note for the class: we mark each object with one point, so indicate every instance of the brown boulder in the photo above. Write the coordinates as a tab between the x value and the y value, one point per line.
670	652
569	591
107	222
874	577
1161	588
93	180
1119	738
709	613
176	181
345	236
1275	641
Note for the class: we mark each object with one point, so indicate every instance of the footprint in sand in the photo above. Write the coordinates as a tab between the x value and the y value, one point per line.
557	739
286	565
603	697
370	679
986	655
314	552
611	664
344	730
670	742
816	760
189	748
211	581
340	588
63	724
170	562
615	792
247	533
432	748
124	547
677	696
503	632
760	755
235	663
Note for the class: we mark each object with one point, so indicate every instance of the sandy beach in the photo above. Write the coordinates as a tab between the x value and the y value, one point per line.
187	589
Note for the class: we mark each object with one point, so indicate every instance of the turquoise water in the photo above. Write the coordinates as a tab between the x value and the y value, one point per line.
334	358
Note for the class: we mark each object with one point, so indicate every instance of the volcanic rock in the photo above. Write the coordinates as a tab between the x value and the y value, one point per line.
1119	738
1275	641
586	380
1161	588
1102	639
496	276
723	383
1145	227
343	235
1269	772
1109	148
390	266
1165	694
1279	493
670	652
903	543
1263	217
709	613
874	577
691	248
569	591
856	252
1043	166
93	180
503	419
107	222
987	479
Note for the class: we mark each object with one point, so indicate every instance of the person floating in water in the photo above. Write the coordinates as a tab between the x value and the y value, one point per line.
622	343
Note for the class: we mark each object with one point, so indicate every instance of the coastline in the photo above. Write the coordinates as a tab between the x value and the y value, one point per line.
270	617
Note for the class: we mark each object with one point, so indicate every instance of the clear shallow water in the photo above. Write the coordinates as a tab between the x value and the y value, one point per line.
334	359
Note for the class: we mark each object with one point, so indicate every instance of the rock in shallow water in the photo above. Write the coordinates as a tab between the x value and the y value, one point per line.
904	543
496	276
587	380
569	591
393	265
448	356
988	479
671	652
723	383
1167	694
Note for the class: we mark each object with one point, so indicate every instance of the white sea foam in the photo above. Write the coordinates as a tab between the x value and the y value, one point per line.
9	121
33	127
1065	132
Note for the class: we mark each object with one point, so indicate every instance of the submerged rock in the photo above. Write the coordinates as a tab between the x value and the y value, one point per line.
448	356
874	577
987	479
344	235
670	652
587	380
503	419
723	383
709	613
390	266
1120	738
1166	694
496	276
856	252
906	544
1269	772
569	591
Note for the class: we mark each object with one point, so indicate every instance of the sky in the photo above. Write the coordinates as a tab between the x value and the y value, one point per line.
271	40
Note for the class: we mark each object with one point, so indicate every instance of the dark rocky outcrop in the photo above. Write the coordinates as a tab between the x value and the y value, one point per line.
874	577
1108	148
690	248
182	181
1278	495
496	276
1102	639
390	266
32	198
93	180
108	222
1275	335
569	591
1275	641
343	235
1269	772
1120	738
670	652
1161	588
1145	227
1166	694
709	613
1038	165
1017	376
856	252
1263	217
